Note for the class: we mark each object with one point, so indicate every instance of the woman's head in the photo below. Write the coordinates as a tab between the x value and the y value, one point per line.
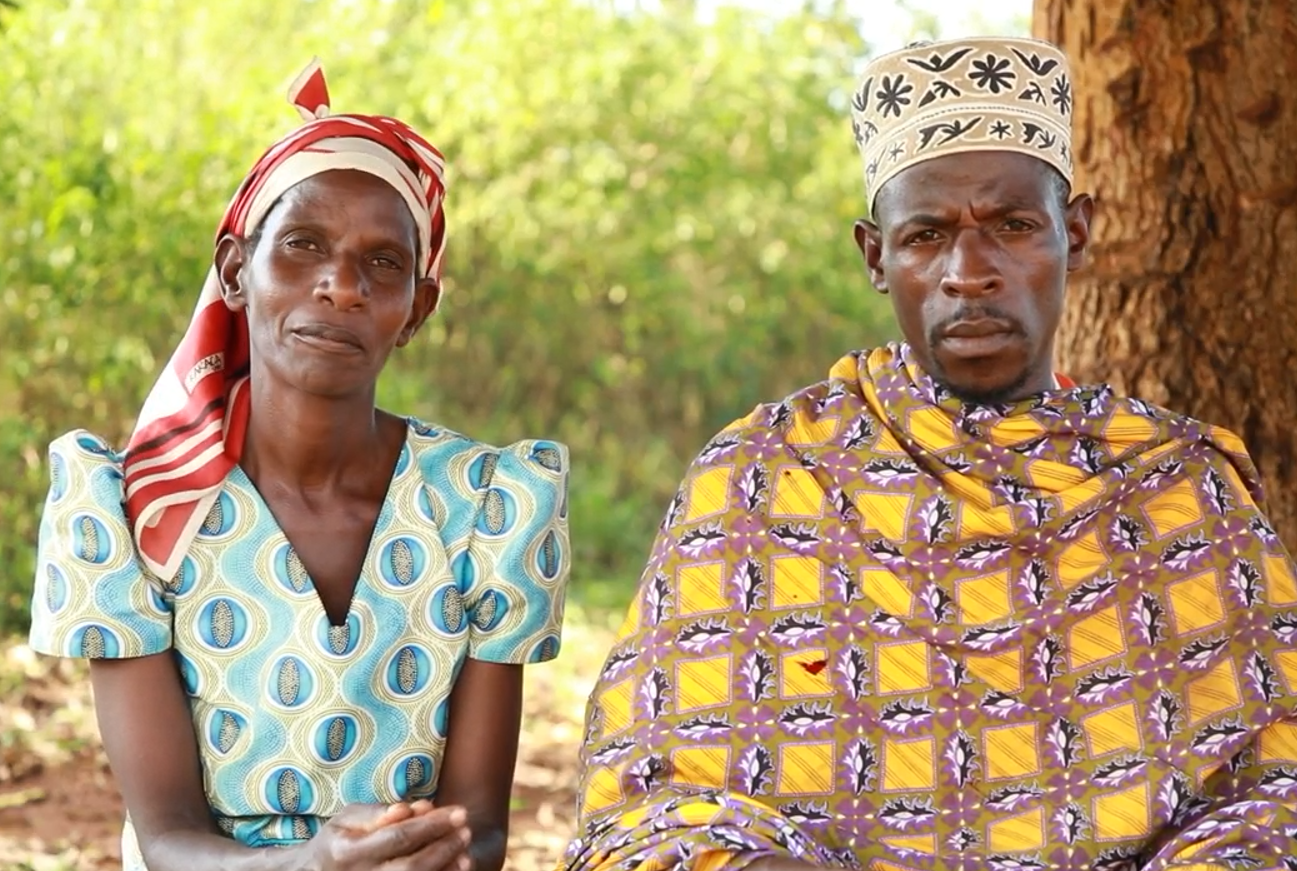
329	282
327	258
329	255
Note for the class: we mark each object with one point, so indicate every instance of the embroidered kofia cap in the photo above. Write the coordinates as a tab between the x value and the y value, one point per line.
931	99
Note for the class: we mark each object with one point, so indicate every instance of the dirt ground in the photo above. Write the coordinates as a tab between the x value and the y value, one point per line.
60	811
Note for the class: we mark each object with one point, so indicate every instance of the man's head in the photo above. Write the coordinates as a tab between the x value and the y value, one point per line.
972	233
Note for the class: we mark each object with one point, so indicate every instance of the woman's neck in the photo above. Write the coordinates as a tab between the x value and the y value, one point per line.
311	442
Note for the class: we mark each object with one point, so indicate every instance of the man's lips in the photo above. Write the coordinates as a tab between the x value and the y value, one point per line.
977	328
978	337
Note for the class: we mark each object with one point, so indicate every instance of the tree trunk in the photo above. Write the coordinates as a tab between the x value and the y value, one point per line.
1186	135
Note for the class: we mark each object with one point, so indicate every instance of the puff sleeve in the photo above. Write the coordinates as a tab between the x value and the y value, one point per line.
92	597
515	570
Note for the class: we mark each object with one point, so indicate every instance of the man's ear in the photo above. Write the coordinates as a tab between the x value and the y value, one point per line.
869	239
1079	214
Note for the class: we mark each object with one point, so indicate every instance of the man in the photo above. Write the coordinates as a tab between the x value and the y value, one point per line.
945	609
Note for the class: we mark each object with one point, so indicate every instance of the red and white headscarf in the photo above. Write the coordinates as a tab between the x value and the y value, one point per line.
189	434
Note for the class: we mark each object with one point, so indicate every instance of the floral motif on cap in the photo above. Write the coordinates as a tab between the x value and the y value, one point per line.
931	99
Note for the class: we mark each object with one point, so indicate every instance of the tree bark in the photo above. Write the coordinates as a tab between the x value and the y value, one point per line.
1186	134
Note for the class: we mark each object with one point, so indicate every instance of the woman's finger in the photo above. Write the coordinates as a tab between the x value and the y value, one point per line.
376	819
446	854
411	836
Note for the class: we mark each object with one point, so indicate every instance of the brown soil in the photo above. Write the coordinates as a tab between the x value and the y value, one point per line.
71	811
60	810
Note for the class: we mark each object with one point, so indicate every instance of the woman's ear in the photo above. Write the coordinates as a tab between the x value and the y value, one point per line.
427	295
231	255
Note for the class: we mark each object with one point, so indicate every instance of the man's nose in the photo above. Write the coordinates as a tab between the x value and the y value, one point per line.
970	267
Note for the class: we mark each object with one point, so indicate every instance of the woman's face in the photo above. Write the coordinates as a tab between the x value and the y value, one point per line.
329	283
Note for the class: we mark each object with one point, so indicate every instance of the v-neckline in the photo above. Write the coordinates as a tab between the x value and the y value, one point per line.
401	468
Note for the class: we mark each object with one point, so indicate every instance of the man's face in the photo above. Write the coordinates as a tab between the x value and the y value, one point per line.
974	250
329	283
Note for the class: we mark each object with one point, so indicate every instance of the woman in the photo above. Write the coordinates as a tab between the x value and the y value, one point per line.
300	609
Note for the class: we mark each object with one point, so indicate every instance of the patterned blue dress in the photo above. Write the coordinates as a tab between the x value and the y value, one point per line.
296	717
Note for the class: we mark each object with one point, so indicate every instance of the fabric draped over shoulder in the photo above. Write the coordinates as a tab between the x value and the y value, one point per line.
882	629
190	431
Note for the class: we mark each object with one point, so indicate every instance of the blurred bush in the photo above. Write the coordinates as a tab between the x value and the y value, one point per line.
650	222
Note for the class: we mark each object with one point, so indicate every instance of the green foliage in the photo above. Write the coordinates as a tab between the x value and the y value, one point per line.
650	222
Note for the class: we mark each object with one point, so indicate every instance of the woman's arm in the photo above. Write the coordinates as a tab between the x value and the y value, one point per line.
481	750
147	731
149	736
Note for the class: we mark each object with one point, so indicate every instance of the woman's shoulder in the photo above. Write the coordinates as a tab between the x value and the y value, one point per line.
502	511
511	492
445	453
86	448
85	468
92	597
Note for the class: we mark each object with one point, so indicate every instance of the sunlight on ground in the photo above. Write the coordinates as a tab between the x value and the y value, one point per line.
54	779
